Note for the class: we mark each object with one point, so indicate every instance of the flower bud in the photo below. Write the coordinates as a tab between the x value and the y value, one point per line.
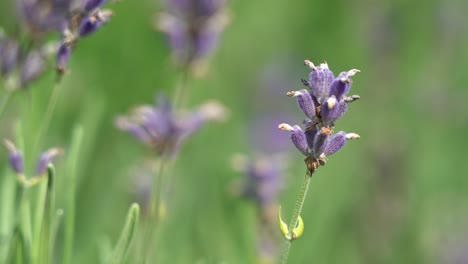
93	23
305	102
297	137
15	158
310	132
319	81
336	143
63	57
321	141
45	159
333	110
341	85
90	5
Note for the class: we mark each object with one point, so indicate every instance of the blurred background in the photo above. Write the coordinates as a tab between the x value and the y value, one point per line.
398	195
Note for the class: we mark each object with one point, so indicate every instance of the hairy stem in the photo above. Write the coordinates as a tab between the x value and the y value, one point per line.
295	217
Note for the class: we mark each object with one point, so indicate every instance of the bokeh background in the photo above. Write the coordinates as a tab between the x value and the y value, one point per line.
398	195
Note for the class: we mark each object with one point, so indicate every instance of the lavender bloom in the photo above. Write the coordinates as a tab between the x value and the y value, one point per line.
263	180
193	28
43	16
305	102
15	158
45	159
63	57
34	65
17	163
73	19
320	79
298	137
9	54
262	184
91	5
93	23
321	141
325	104
163	130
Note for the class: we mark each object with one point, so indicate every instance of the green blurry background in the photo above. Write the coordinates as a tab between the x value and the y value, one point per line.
398	195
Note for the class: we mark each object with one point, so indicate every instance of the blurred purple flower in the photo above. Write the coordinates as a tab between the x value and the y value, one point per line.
9	54
263	178
17	163
325	104
73	19
193	28
163	130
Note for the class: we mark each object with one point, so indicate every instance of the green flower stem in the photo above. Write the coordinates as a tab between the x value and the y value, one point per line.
182	91
126	236
155	207
295	217
4	103
71	171
49	112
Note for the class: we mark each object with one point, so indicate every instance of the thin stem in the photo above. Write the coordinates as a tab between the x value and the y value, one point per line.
49	112
182	90
295	217
4	103
155	205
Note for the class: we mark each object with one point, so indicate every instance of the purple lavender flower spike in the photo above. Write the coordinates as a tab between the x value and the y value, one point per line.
321	141
63	57
263	179
193	29
91	5
34	65
342	84
45	159
305	102
319	80
335	144
297	137
330	103
163	130
15	158
8	56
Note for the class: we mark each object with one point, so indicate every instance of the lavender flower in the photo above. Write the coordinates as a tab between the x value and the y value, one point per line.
193	28
73	19
17	163
163	130
9	53
325	103
262	185
264	177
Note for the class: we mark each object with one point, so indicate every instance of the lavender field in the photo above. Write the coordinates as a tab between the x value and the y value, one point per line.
211	131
